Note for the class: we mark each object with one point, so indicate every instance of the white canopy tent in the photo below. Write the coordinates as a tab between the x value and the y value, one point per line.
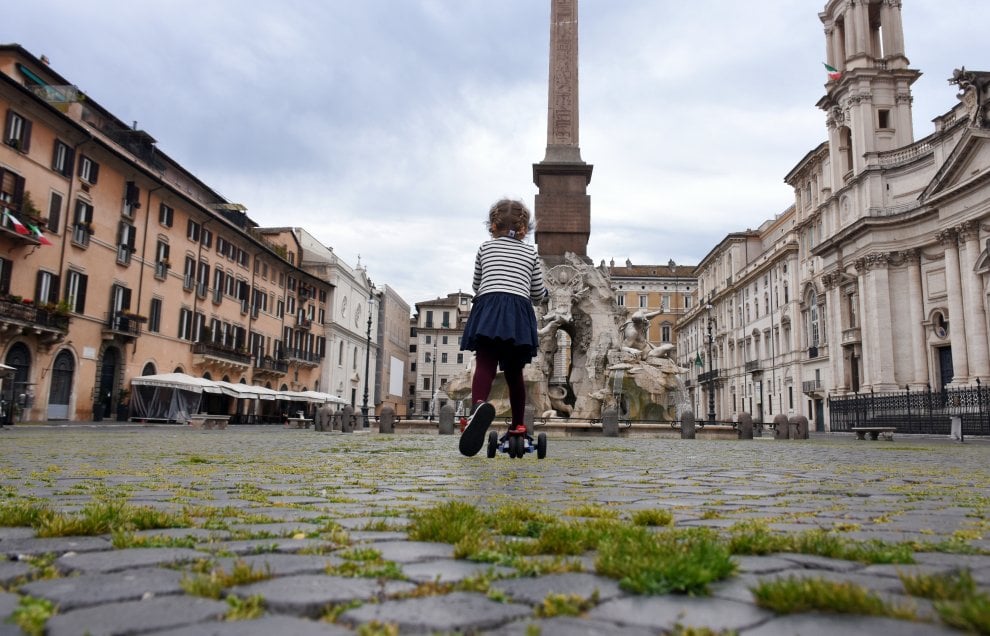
174	396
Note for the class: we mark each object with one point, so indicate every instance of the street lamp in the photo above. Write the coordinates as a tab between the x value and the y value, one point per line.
433	383
711	365
367	353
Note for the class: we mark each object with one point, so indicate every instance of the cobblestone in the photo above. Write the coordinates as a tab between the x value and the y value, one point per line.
295	504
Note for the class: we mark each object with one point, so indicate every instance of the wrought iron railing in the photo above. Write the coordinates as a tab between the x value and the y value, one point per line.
921	412
300	354
271	364
32	314
221	351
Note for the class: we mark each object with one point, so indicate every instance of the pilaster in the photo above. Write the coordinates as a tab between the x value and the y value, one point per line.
916	314
957	318
976	319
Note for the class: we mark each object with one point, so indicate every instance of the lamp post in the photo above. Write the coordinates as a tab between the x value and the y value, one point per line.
367	353
433	382
673	270
711	365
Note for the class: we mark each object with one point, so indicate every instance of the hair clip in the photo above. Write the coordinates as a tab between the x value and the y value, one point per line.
512	234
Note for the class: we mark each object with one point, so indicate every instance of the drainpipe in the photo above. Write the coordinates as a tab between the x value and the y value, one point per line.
144	252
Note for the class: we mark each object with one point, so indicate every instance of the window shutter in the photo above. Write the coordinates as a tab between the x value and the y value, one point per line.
126	298
81	295
70	157
132	194
26	136
39	277
55	212
131	236
5	267
18	191
53	290
94	173
8	125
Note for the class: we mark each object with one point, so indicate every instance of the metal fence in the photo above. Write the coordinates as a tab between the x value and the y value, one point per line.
924	412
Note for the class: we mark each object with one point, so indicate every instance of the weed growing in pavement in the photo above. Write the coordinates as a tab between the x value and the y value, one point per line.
125	539
953	586
365	563
333	611
520	521
654	517
31	614
212	583
375	628
797	595
687	630
22	514
244	609
971	614
594	511
566	605
102	517
756	538
447	523
680	560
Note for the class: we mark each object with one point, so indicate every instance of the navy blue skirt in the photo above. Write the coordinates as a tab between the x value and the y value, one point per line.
505	322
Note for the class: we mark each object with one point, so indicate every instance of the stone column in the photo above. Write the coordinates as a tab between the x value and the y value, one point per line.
893	29
916	314
867	320
976	318
833	325
862	22
957	318
881	336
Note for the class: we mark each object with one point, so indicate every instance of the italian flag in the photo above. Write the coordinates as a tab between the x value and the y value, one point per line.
697	360
833	73
39	235
18	226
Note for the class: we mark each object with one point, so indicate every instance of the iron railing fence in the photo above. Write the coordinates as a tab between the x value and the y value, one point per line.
924	412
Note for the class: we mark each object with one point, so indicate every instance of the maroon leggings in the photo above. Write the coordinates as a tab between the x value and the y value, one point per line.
485	368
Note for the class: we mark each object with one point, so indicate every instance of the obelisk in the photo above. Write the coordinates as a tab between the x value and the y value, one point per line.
563	207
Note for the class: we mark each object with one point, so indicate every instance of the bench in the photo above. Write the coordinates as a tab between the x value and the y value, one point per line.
875	432
203	420
298	422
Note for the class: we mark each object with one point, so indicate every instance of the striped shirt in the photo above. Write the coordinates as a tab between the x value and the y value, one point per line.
508	265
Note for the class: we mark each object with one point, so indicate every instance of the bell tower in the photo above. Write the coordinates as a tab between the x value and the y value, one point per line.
563	207
868	98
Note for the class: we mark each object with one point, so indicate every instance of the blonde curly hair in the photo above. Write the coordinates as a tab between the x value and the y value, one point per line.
509	217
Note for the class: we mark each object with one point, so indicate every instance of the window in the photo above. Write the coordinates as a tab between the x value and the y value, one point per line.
75	291
813	324
193	231
443	358
427	357
620	300
125	242
665	333
428	340
883	118
62	159
166	215
460	358
55	212
185	324
132	199
155	315
429	318
89	170
17	132
643	300
46	288
207	239
446	319
11	195
443	340
426	384
82	222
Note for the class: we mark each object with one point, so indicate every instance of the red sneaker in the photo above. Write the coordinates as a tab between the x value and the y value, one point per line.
517	429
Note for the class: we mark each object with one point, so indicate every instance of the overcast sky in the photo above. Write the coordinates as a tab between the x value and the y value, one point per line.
387	128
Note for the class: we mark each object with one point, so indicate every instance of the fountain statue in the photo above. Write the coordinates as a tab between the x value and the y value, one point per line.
593	354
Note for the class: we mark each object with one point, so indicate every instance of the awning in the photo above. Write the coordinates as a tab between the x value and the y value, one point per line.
314	397
245	391
178	381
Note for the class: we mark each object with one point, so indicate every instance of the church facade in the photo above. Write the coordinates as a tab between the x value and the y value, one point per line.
888	235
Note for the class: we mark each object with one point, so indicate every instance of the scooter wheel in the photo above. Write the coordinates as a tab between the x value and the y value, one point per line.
492	444
541	445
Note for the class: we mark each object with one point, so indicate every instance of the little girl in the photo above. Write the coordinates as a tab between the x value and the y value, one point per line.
501	329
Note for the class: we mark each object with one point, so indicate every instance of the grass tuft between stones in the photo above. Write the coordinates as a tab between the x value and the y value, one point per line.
794	595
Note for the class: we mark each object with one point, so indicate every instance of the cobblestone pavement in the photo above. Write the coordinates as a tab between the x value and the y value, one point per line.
300	506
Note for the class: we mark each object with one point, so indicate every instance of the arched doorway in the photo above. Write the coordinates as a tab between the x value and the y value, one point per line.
63	371
20	358
149	369
109	371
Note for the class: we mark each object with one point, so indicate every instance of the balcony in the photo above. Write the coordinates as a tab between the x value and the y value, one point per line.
161	270
220	356
303	322
811	386
17	317
851	337
753	366
81	233
707	376
269	366
812	352
123	255
122	325
301	356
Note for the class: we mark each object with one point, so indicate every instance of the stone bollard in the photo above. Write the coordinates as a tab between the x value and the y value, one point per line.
347	419
745	422
386	420
529	416
782	427
324	415
447	419
799	427
688	430
610	422
336	421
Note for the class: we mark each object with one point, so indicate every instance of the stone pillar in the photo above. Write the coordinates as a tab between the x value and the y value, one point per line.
782	427
916	309
347	419
687	425
745	423
957	319
447	419
881	338
799	427
833	329
976	317
386	420
610	422
893	28
529	416
862	22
